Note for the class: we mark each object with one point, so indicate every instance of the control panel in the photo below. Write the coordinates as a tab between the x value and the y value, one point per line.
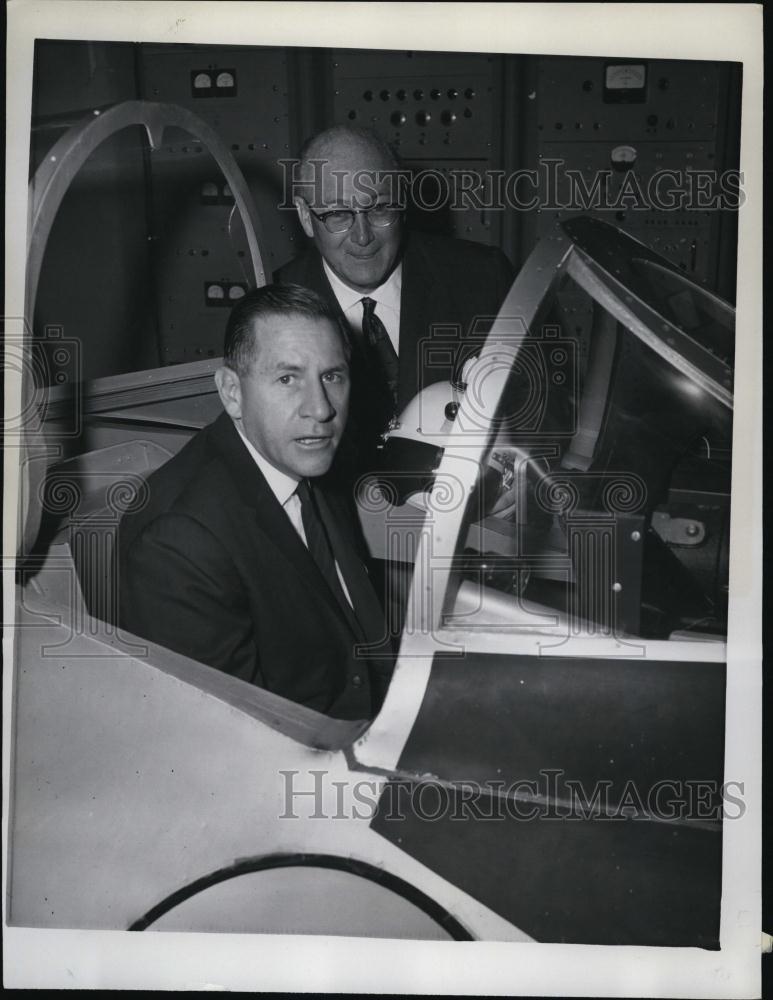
439	111
148	249
639	143
198	243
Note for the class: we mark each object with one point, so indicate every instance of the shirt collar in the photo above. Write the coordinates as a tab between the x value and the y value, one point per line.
387	294
282	485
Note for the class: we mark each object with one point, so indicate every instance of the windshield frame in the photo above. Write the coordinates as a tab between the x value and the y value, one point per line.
473	433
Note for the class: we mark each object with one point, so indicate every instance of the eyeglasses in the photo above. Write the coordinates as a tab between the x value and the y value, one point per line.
341	220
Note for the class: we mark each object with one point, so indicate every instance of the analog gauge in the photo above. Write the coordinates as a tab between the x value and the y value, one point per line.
623	157
626	76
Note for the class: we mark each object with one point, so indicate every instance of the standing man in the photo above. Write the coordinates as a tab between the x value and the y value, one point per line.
241	559
393	288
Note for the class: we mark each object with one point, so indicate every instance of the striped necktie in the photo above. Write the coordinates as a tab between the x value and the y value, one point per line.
380	345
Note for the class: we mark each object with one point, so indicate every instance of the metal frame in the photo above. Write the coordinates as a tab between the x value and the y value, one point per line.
48	187
63	161
425	633
276	730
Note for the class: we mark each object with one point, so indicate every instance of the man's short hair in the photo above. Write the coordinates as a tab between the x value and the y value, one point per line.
317	152
315	146
240	347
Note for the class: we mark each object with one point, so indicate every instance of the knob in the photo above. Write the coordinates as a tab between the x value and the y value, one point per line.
423	117
448	118
398	118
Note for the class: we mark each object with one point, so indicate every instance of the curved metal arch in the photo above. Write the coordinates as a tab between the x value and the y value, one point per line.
63	161
48	187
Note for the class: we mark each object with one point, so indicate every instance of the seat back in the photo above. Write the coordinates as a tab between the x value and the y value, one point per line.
84	499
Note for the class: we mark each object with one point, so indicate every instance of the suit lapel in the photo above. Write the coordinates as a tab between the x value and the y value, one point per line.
421	302
270	516
314	278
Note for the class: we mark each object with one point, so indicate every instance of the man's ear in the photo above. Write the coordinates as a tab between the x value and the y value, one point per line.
304	215
229	389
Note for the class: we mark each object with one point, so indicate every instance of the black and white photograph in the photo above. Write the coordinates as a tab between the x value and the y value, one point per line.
382	511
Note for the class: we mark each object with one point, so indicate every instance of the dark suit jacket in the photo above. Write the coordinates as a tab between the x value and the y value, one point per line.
213	568
445	282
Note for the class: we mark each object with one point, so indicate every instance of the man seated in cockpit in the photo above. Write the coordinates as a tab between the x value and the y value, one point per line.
244	557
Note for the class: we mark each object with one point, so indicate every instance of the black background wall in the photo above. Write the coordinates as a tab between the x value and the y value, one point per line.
144	235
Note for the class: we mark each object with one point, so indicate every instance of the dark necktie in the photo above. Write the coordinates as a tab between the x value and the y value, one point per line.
380	345
321	551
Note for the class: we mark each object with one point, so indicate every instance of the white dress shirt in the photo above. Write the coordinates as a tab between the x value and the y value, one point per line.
386	297
284	489
282	486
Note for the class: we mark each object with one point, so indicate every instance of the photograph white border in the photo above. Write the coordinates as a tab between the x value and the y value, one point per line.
90	959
